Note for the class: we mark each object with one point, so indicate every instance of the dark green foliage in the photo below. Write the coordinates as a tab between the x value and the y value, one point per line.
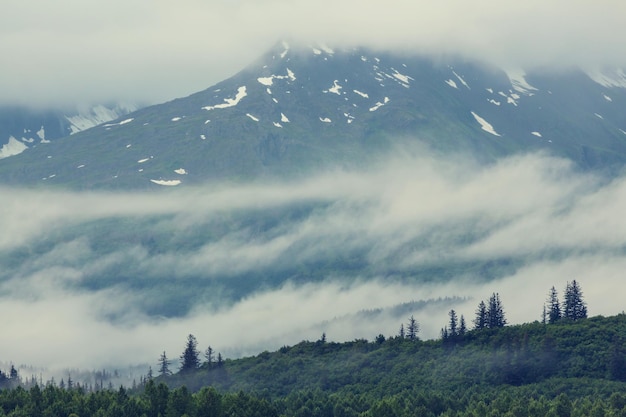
570	368
412	329
164	365
495	312
574	307
480	321
190	358
554	306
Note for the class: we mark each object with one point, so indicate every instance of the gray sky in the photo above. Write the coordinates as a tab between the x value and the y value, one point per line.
154	50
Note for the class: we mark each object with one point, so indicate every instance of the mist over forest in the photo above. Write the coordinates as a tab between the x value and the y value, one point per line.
94	279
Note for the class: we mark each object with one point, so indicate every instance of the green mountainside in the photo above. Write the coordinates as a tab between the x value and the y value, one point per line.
568	368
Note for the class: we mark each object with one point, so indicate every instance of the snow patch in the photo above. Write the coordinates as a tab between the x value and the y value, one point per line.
269	81
230	102
490	90
141	161
607	98
325	120
379	104
277	124
13	147
364	95
181	171
93	116
169	183
123	122
284	118
203	137
327	49
517	78
175	119
486	126
452	84
41	133
252	117
609	78
461	80
80	166
266	80
284	53
334	89
536	134
492	101
599	116
404	78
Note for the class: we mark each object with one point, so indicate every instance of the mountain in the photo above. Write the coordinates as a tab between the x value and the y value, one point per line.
296	110
22	128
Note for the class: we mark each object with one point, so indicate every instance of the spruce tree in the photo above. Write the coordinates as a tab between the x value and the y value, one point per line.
462	326
208	354
164	365
554	306
190	358
453	324
480	321
412	329
574	308
495	312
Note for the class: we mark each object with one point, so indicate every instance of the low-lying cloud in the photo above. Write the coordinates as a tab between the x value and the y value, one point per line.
156	51
111	279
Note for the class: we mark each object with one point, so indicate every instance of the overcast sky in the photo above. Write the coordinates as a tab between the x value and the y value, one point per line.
65	51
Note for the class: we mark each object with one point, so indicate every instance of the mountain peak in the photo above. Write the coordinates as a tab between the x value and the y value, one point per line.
303	108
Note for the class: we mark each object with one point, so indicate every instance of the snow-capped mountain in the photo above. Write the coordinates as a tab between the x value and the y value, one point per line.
21	128
300	109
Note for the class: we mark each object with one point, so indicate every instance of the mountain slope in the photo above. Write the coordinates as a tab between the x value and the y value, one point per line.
297	110
21	128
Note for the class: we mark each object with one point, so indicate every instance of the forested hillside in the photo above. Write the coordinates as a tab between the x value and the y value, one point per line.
565	368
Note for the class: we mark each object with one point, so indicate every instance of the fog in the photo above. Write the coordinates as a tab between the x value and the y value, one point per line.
255	266
152	51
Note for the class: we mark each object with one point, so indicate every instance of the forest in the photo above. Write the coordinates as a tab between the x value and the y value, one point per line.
566	364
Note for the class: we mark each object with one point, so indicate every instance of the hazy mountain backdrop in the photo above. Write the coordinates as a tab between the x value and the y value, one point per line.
317	190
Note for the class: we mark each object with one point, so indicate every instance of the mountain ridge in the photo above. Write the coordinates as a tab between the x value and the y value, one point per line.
294	111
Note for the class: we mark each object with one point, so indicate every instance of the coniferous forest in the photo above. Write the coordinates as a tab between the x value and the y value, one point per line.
565	364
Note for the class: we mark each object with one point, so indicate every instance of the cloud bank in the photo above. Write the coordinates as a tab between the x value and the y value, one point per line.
103	279
154	51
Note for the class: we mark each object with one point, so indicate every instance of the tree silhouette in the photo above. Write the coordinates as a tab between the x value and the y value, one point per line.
209	355
453	324
495	312
412	328
480	321
190	359
574	307
554	307
164	365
